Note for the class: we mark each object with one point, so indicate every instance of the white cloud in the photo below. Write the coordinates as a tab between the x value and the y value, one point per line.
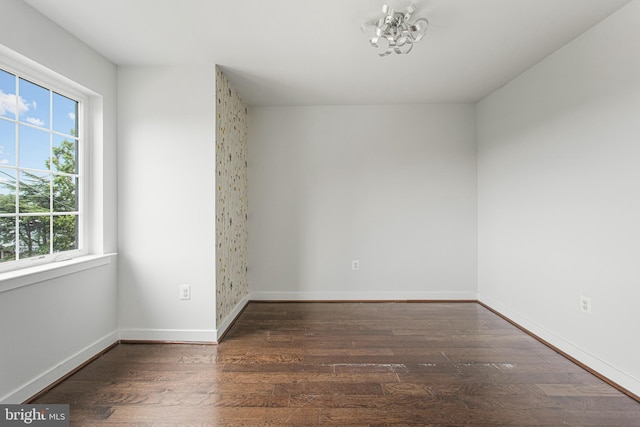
4	161
34	121
35	105
72	116
8	104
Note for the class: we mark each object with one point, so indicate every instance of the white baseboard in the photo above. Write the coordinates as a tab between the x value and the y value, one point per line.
174	335
362	296
185	335
59	370
603	368
228	321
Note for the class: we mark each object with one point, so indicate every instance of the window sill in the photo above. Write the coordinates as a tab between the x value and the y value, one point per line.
28	276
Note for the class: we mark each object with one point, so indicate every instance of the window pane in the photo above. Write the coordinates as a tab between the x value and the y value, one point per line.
7	143
65	154
65	233
65	115
35	192
34	236
7	190
7	94
64	193
7	239
37	104
33	150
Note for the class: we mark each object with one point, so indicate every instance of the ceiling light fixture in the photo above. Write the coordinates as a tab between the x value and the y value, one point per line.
394	33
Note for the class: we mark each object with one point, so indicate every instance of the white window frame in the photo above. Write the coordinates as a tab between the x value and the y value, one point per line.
55	83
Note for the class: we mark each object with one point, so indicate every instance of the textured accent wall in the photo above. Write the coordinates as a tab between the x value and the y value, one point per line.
231	198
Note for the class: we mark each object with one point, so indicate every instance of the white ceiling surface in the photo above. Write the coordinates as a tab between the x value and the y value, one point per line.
312	52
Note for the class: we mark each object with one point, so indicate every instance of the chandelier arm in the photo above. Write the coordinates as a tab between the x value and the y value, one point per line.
419	29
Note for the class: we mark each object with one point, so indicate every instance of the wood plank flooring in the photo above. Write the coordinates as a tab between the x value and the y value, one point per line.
356	364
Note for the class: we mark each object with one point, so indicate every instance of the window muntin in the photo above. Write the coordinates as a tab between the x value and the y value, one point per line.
40	179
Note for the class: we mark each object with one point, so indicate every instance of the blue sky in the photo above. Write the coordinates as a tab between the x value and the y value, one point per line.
32	106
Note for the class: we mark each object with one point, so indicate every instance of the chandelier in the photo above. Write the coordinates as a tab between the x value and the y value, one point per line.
394	33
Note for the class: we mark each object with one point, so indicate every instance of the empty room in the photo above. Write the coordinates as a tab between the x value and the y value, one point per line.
285	212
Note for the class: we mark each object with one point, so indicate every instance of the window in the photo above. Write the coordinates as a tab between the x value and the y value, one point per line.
40	172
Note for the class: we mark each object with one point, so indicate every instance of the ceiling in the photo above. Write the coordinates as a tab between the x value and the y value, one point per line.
312	52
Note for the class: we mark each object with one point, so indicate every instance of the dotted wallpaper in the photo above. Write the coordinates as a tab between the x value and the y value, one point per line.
231	198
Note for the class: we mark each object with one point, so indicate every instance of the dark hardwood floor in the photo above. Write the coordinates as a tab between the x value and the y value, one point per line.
357	364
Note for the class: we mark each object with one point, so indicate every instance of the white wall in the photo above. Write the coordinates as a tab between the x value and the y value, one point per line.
558	203
391	186
51	326
166	160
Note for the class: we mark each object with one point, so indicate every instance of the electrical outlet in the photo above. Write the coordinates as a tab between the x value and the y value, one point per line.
585	304
355	264
185	292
